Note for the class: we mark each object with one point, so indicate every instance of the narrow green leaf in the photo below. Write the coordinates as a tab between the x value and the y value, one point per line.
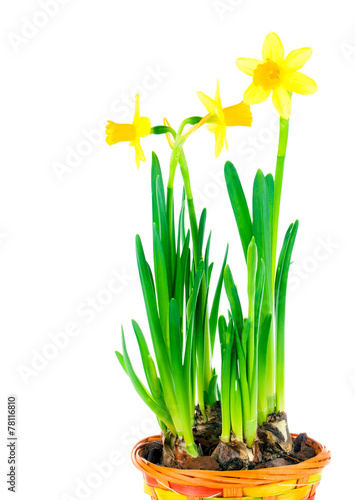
181	271
148	364
209	274
121	360
161	353
262	232
215	303
233	297
190	363
252	264
161	280
164	234
213	390
226	337
156	185
245	336
263	237
222	331
259	292
280	311
239	205
262	369
143	392
181	384
282	258
201	232
207	253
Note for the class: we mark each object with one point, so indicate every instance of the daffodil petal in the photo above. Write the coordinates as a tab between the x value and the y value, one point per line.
139	153
136	110
209	103
273	48
225	142
218	97
247	65
255	94
297	58
300	83
219	142
282	101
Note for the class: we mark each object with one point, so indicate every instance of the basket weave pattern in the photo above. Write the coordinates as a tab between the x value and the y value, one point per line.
293	482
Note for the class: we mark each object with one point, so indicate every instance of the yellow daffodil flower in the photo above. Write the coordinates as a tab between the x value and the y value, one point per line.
220	118
122	132
277	74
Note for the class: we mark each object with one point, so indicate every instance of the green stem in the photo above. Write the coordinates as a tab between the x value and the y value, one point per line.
280	163
191	207
171	228
162	129
193	120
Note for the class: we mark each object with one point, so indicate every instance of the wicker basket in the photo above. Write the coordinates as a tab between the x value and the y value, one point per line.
293	482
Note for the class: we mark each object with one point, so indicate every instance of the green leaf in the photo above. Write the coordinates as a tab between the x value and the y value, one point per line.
215	303
239	205
161	353
233	297
148	293
191	343
213	389
262	232
209	274
280	311
192	306
282	257
142	391
180	380
164	235
252	264
181	272
245	336
226	337
148	364
161	280
156	185
207	253
262	369
175	341
259	292
121	360
201	232
222	331
181	226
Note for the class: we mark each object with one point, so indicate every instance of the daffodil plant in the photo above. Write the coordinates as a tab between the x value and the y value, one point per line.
176	288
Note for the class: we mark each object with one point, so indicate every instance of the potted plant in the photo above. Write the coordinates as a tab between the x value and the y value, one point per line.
223	433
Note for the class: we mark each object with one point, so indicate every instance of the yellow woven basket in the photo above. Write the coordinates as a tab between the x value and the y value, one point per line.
293	482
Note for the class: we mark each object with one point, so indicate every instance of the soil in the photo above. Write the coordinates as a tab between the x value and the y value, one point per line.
273	447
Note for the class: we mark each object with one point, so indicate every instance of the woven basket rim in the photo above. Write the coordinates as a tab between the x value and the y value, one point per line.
229	479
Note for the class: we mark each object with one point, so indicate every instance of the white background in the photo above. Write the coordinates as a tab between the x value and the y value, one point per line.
62	236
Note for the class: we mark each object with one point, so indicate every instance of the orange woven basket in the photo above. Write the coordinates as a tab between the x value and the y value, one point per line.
293	482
